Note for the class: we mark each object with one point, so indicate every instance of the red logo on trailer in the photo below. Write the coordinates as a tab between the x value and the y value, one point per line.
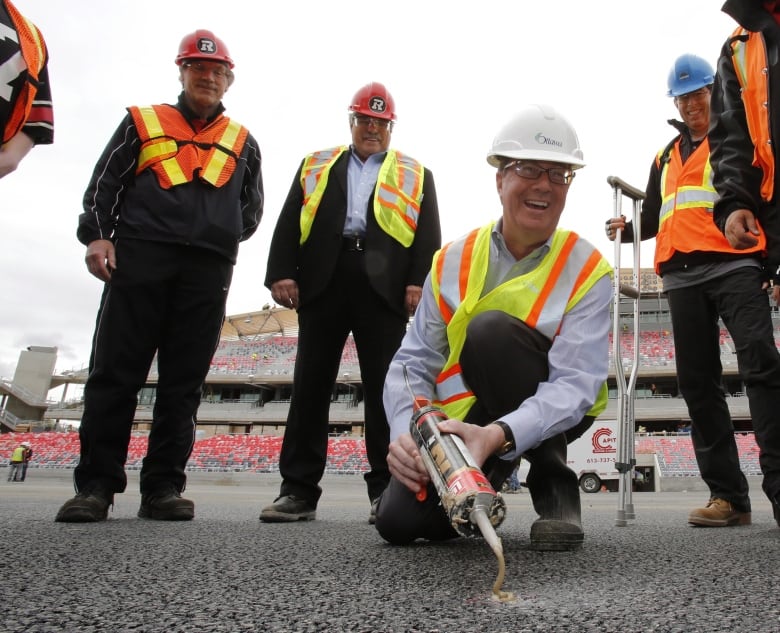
604	440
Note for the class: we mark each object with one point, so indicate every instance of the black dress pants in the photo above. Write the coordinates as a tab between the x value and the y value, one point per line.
162	298
738	299
349	304
503	361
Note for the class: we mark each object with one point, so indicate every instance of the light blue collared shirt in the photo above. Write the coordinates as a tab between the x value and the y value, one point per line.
578	358
361	182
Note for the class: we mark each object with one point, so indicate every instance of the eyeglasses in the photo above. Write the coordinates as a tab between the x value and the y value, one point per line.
530	171
696	95
364	121
218	70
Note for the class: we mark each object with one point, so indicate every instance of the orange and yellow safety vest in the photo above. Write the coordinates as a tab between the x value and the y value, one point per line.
540	298
397	197
33	50
752	69
175	152
685	220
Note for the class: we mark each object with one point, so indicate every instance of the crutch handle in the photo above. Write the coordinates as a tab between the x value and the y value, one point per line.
628	190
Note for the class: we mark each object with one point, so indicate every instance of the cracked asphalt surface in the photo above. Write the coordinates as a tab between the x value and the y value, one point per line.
228	572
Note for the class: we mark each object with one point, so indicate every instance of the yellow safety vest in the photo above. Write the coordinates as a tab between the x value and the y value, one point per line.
175	152
540	298
18	454
750	65
397	197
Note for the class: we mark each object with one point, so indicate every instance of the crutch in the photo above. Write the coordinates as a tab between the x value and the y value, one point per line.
626	451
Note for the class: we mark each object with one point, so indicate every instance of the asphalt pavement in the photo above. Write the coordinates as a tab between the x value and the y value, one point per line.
228	572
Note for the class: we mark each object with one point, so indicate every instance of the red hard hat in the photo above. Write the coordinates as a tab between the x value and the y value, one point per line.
374	100
203	44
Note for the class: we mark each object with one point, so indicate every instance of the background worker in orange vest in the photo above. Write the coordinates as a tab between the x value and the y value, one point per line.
26	117
744	147
349	257
706	280
520	354
174	192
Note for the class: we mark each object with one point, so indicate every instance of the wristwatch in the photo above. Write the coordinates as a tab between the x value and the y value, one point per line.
509	439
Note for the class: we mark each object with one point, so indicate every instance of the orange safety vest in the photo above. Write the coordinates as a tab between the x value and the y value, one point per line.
685	220
175	152
752	69
33	50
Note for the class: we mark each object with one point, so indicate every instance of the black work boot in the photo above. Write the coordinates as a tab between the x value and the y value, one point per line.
287	509
556	498
166	504
90	505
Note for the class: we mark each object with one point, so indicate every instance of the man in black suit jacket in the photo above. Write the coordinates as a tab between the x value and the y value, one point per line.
350	252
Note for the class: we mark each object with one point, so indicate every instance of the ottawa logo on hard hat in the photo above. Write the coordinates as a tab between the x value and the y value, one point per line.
377	104
206	45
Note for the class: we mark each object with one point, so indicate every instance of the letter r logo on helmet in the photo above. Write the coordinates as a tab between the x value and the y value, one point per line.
206	45
377	104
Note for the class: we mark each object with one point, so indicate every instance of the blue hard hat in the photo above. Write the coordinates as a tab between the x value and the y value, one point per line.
689	73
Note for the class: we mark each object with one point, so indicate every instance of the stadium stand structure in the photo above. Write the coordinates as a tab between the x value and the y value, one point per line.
246	397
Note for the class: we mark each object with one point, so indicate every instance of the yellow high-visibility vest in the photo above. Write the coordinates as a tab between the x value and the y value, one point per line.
397	197
540	298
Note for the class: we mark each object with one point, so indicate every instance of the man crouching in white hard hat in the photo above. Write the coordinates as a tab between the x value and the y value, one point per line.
510	336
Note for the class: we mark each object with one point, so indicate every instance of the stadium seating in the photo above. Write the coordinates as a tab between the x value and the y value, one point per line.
271	355
346	455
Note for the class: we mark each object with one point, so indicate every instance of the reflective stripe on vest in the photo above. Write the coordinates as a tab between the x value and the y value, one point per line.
397	196
314	180
540	298
685	219
752	70
175	152
33	52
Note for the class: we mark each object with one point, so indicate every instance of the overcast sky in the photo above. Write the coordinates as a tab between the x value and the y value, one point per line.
456	73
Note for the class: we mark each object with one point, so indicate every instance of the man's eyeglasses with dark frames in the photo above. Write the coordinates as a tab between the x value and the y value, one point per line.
530	171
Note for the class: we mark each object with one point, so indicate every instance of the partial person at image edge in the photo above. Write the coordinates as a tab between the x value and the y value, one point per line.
744	158
26	115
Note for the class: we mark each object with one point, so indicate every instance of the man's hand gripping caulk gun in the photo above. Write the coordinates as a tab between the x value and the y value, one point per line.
468	498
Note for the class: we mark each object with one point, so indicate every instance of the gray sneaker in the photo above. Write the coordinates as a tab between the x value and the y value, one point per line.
90	505
288	508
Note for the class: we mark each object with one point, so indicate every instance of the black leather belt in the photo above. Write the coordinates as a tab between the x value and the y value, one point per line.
353	243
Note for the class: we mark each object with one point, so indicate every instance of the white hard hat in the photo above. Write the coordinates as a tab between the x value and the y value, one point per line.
538	132
27	444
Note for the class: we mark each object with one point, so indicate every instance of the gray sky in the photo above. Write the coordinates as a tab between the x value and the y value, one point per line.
457	72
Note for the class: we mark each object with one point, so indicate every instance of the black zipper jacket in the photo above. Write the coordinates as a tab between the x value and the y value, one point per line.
735	178
120	205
